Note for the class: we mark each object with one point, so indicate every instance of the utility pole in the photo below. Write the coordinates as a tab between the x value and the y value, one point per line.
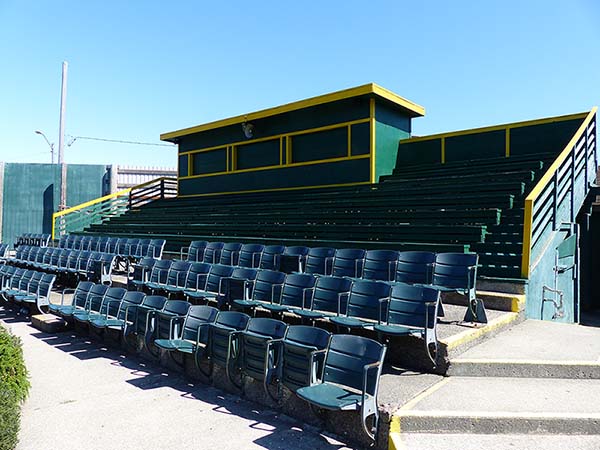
61	138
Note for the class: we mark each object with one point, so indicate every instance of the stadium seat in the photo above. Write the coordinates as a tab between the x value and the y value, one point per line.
329	298
362	307
267	286
350	379
296	293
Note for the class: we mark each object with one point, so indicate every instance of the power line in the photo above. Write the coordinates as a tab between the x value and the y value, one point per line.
118	141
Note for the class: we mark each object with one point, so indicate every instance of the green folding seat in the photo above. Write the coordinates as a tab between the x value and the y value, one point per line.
329	298
159	274
18	285
411	311
176	278
350	380
67	311
196	278
118	315
25	289
144	314
193	332
165	323
267	286
41	297
457	272
303	356
96	304
348	262
271	256
414	267
80	294
296	293
260	351
293	259
250	255
319	260
238	285
194	252
362	307
379	265
212	252
222	348
213	287
230	254
141	273
156	248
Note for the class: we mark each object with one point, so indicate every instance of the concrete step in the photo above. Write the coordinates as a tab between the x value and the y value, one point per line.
534	348
503	405
507	285
500	301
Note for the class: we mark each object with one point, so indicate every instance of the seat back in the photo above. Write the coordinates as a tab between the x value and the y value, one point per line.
267	285
250	255
363	301
196	251
178	273
165	328
197	275
270	257
160	271
151	303
297	290
217	272
318	260
156	248
257	357
198	318
142	248
300	363
131	300
380	265
293	259
212	252
111	299
414	267
34	283
348	262
142	269
112	244
408	306
82	291
96	294
25	280
240	284
347	355
219	345
455	270
230	253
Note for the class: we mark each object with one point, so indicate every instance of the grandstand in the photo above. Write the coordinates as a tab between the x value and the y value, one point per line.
319	233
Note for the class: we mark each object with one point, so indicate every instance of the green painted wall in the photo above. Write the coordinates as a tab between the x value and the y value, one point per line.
387	140
31	193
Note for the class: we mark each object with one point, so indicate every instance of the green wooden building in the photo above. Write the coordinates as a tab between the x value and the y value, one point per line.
343	138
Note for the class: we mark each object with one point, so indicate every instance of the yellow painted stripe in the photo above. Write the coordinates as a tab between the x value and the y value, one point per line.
529	362
360	183
368	89
496	127
443	150
372	136
507	143
92	202
467	336
278	136
527	237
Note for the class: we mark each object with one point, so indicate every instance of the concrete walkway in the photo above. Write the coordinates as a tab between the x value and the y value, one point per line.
87	397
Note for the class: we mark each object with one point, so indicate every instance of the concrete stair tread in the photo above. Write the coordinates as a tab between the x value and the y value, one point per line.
504	405
501	301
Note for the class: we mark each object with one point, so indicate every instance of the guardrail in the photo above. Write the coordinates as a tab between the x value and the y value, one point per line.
559	194
98	210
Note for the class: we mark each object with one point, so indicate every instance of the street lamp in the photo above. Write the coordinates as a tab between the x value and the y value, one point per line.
49	145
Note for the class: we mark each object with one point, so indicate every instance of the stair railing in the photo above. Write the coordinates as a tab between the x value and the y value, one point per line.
560	193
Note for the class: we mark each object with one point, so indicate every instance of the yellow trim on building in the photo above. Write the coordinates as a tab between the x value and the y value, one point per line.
349	136
507	143
495	127
412	108
443	150
372	137
359	183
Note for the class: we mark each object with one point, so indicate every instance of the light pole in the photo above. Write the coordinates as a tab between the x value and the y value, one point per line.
51	145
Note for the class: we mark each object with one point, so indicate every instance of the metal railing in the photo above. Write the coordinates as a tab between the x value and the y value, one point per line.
559	194
98	210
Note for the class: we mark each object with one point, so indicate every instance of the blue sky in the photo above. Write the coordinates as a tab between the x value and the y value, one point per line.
141	68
